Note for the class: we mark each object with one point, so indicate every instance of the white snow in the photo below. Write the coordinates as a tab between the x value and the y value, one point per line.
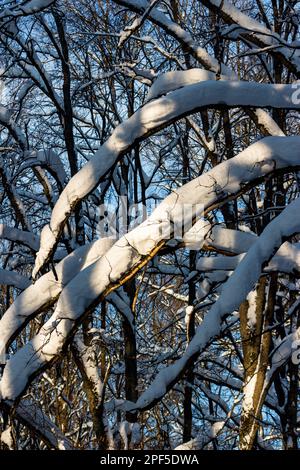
238	286
7	437
171	81
31	7
286	259
48	159
188	312
199	53
263	36
14	234
251	312
193	444
11	278
46	289
155	115
127	253
88	357
7	120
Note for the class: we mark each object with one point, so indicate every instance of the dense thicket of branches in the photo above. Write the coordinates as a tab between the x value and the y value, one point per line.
153	339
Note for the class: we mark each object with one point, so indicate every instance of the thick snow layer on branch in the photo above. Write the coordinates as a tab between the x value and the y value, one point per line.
122	303
251	312
10	278
199	53
199	233
159	18
256	32
47	159
193	444
232	241
210	281
172	81
7	121
7	437
238	17
47	288
288	346
153	116
202	234
233	293
218	263
31	7
17	235
129	253
88	358
286	260
34	418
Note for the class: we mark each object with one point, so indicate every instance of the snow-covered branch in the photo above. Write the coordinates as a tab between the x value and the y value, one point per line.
11	278
44	293
146	121
240	283
133	251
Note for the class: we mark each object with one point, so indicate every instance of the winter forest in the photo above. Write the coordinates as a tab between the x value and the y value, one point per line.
149	224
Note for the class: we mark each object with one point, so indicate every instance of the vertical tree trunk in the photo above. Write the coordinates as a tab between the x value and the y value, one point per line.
256	341
130	359
188	389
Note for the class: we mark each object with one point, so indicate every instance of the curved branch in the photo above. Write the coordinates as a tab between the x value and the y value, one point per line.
145	122
261	117
234	292
11	278
133	251
257	33
30	8
45	159
21	236
44	293
29	414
